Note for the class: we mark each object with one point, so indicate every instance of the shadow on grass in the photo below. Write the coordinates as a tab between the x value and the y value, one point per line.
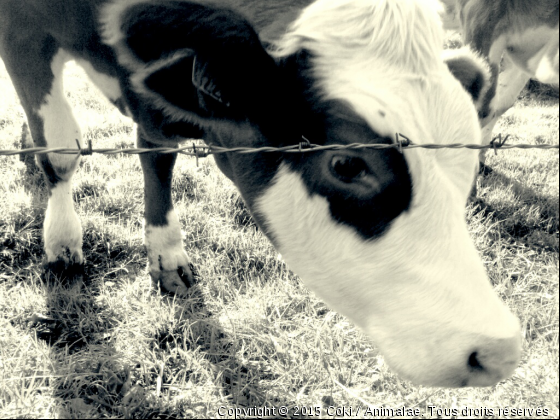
205	337
540	234
89	375
92	375
78	328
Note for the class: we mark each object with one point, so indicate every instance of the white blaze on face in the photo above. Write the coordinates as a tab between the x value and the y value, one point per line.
420	291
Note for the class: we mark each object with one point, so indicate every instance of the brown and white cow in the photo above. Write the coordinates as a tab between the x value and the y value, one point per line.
379	235
518	37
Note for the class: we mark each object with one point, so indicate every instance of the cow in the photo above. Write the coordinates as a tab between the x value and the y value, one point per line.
519	41
379	235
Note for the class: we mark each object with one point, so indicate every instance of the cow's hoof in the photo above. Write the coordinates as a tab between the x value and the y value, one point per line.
177	281
63	270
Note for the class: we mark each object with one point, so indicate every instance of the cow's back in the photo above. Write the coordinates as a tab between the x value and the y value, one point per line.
71	22
74	23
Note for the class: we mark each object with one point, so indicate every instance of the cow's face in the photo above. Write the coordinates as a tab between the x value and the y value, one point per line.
382	237
379	235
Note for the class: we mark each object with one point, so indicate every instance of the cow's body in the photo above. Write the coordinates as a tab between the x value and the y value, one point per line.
379	235
518	38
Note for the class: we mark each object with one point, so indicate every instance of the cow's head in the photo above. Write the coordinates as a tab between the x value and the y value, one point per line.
379	235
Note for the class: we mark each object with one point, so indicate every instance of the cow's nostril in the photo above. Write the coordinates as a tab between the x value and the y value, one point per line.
473	362
493	360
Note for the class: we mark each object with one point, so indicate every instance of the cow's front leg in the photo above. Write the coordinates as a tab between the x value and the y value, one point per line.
37	76
168	262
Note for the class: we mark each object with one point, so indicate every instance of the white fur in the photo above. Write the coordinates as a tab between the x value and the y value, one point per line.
62	228
434	109
111	19
375	55
536	52
60	126
449	14
420	291
392	66
511	81
388	33
528	48
108	85
165	246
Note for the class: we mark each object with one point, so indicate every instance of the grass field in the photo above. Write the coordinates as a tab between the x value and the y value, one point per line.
249	334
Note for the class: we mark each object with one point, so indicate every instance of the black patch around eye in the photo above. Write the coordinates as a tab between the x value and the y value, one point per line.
374	186
347	168
372	216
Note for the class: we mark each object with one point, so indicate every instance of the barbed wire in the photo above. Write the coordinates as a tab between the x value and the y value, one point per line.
199	151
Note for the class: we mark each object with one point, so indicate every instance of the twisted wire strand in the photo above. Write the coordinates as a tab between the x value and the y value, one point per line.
204	150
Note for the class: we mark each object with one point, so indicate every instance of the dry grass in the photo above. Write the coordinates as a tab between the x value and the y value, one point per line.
249	335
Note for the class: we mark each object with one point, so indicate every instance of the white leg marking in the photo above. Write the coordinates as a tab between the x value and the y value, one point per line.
60	126
62	228
165	246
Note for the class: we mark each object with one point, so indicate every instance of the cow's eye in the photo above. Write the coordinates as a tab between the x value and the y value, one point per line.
348	168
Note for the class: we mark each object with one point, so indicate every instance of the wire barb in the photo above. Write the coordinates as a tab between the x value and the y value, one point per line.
85	152
305	144
195	151
402	141
499	143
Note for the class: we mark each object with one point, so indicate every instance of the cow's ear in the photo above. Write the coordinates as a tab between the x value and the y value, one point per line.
471	70
194	62
186	88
